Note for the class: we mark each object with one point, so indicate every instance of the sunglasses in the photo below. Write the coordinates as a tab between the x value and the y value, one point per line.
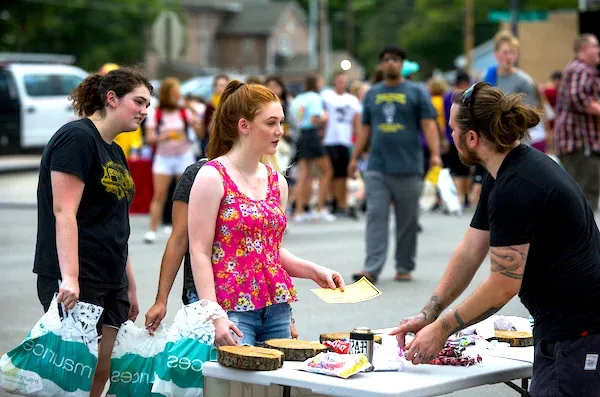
469	98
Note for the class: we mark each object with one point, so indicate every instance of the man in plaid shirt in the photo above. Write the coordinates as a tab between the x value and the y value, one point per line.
577	128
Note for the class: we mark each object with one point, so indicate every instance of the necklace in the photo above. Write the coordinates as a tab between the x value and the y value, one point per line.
243	176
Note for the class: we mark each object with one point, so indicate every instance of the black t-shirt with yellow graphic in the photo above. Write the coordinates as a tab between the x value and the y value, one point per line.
103	215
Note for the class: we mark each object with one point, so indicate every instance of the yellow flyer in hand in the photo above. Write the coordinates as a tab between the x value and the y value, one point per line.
360	291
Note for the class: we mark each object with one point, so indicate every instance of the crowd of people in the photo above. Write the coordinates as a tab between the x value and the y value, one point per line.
231	204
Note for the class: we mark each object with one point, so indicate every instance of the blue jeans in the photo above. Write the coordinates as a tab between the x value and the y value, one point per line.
258	326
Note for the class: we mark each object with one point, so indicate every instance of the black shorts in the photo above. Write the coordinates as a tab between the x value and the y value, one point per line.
452	161
479	174
340	158
114	301
309	145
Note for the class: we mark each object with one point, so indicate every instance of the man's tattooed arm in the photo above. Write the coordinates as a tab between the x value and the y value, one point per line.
433	308
462	324
509	261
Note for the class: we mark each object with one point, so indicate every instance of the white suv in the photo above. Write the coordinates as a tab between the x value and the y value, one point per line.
34	103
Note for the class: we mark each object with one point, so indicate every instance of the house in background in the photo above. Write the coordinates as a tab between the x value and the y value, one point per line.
249	37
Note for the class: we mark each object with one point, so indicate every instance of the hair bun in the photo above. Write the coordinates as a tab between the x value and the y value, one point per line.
506	103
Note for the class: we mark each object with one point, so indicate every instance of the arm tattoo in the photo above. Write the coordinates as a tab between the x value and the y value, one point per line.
433	308
509	261
481	317
445	325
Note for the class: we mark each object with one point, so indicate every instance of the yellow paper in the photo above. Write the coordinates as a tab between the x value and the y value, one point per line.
360	291
433	174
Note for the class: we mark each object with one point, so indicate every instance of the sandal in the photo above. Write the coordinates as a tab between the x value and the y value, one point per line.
402	277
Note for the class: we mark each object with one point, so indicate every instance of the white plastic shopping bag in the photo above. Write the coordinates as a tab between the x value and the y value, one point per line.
190	343
447	191
134	359
58	357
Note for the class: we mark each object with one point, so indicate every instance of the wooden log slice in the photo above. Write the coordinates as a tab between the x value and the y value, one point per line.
342	335
515	338
296	350
250	357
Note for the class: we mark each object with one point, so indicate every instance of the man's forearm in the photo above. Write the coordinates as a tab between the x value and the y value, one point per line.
169	267
67	245
458	275
432	136
484	302
362	140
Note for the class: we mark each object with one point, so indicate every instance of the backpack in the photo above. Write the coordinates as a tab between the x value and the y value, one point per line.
158	119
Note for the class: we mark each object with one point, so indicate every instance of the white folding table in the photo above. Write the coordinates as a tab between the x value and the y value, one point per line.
415	380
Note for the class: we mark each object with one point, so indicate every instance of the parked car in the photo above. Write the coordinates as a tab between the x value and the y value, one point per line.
34	103
202	86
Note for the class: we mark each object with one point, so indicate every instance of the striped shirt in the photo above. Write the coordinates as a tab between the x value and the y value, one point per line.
575	129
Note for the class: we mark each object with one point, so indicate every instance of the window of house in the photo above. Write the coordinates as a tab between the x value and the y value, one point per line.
285	44
248	46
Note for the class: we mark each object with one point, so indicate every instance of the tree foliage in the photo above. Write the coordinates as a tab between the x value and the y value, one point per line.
431	31
95	32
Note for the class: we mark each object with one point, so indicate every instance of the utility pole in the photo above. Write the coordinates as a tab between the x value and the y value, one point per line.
514	17
469	33
312	34
349	28
323	5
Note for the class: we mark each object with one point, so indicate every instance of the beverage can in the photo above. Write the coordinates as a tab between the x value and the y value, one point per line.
361	342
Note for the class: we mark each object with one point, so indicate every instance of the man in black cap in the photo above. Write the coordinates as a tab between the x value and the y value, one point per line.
394	114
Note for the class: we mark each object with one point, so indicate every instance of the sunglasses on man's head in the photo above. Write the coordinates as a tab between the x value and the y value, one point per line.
469	98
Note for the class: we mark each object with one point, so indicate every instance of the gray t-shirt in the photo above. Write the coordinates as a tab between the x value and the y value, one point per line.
394	115
182	193
519	82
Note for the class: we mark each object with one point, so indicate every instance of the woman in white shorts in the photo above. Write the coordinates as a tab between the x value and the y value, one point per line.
167	128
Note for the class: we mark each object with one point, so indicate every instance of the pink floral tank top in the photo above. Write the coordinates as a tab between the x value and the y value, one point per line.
245	254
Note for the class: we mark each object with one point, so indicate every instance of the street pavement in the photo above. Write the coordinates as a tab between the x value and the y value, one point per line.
339	245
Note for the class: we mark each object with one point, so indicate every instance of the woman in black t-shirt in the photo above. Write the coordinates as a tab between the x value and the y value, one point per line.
84	194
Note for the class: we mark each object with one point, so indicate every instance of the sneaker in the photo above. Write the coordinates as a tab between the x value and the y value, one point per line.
168	229
301	218
324	215
149	237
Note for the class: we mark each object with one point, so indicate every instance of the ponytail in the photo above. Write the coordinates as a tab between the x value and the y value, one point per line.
89	96
86	96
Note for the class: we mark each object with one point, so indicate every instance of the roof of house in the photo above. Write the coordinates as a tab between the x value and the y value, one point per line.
258	18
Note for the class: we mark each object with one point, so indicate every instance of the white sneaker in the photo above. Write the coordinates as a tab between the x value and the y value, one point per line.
325	215
167	229
301	218
149	237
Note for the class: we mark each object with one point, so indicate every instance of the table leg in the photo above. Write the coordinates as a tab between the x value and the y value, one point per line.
287	391
525	387
521	390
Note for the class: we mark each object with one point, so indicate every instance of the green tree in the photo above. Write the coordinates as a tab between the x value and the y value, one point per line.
434	34
95	32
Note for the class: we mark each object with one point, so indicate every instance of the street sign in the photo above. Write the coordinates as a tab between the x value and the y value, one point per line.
524	16
167	36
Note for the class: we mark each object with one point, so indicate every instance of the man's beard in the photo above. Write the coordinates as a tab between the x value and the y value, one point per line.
466	156
391	73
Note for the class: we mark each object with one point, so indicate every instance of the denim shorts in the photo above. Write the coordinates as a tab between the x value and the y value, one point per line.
258	326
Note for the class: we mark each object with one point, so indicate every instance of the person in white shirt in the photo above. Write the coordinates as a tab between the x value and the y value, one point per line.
344	111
